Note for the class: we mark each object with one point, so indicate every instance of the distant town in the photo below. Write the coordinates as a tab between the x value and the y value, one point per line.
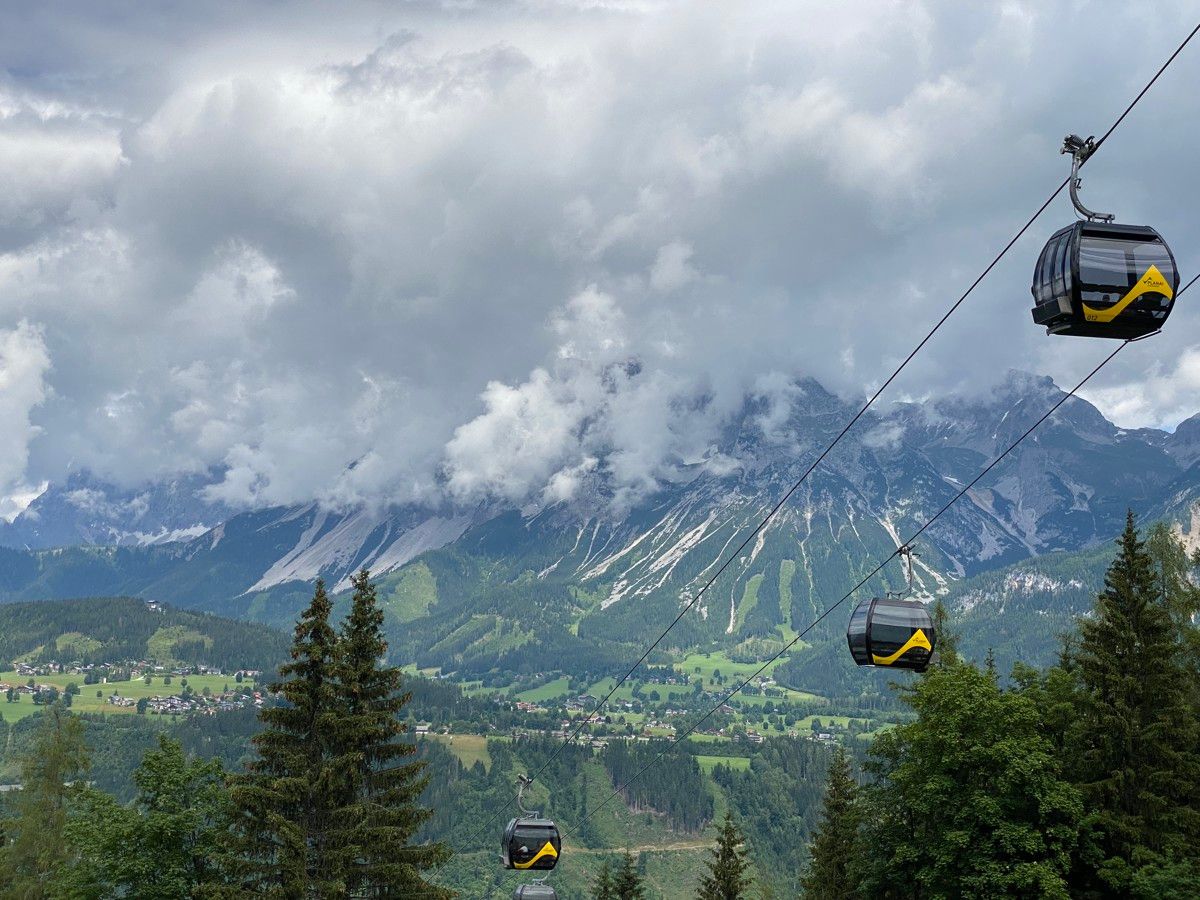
115	678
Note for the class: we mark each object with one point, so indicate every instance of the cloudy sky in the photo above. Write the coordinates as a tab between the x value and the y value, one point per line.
410	250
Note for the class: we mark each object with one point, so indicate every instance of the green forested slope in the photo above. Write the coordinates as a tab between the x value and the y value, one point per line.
114	629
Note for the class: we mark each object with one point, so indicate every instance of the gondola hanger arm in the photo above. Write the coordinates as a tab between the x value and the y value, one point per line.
1081	151
905	552
524	781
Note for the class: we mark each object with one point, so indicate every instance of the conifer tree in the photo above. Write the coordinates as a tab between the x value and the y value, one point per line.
830	873
727	878
627	883
1137	737
377	812
284	804
1176	570
51	776
947	637
602	888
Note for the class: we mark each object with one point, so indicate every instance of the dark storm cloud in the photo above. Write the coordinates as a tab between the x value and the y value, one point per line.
502	249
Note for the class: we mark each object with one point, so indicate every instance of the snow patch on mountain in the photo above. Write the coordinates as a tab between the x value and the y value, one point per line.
661	565
1020	582
163	535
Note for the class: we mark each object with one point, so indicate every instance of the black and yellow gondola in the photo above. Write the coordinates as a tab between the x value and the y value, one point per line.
1097	278
891	632
531	844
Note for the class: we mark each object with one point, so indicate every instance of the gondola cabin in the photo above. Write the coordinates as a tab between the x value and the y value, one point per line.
1098	279
534	891
531	843
885	631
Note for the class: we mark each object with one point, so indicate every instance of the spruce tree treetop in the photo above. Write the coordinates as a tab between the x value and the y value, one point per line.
830	875
947	636
1137	742
379	814
1176	571
727	878
281	839
602	887
627	883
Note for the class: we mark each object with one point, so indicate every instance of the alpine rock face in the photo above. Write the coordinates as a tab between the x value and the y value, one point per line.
470	581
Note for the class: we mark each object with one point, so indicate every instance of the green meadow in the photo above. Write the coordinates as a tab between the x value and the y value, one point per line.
87	701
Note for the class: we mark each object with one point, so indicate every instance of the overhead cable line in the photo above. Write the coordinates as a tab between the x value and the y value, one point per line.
841	434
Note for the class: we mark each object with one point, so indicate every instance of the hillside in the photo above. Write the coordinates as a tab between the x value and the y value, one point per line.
116	629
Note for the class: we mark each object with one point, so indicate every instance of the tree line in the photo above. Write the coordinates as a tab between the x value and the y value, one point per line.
726	875
327	807
676	789
1082	780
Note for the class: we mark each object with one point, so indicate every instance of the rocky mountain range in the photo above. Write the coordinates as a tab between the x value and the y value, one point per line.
471	587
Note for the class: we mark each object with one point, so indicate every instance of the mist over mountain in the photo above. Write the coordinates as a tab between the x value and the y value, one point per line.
472	585
307	268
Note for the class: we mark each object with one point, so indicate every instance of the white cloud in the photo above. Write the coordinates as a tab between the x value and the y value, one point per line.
884	437
526	247
672	267
24	362
595	411
1160	398
778	392
57	164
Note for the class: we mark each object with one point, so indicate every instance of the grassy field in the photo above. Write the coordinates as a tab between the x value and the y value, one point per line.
73	643
548	691
409	594
706	665
805	724
737	763
787	570
87	701
749	599
622	694
159	644
469	748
